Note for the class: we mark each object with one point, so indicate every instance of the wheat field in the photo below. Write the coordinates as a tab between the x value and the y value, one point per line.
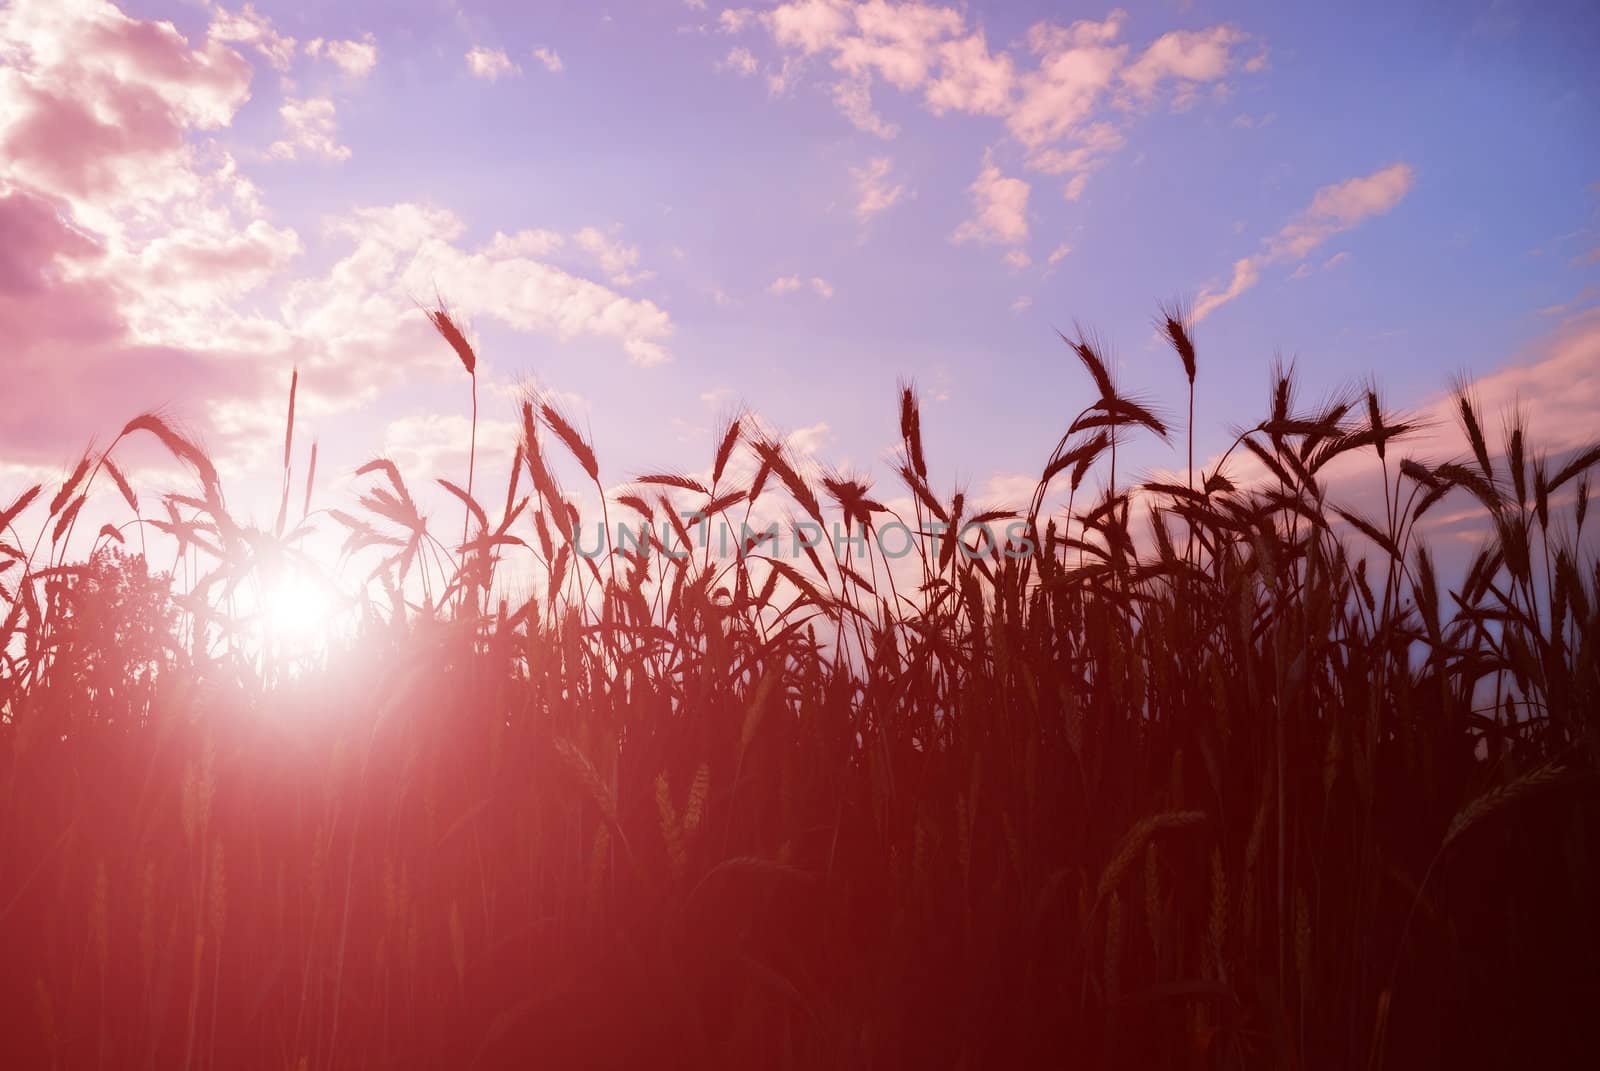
1208	772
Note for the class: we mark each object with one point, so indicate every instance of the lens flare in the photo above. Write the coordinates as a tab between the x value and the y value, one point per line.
296	612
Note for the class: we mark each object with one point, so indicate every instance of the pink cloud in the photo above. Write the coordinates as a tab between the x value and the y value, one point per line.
95	104
247	26
1184	56
310	129
72	370
1334	209
1064	95
355	58
1001	208
141	270
1557	387
490	64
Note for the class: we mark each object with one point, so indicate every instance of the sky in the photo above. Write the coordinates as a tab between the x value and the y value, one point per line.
663	211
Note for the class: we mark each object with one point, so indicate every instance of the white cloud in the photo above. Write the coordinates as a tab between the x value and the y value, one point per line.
734	19
1341	206
96	107
971	79
1245	274
526	243
355	58
490	64
427	446
1001	206
550	59
805	442
1009	490
1064	95
1184	56
1076	66
126	235
1074	187
854	97
1059	253
1557	387
150	272
618	259
1334	209
788	284
808	25
412	249
1018	258
1021	303
740	61
247	26
311	130
875	192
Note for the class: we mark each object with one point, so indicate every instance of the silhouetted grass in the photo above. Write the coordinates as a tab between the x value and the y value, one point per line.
1220	775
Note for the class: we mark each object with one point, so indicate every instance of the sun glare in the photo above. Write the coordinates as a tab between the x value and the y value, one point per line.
296	612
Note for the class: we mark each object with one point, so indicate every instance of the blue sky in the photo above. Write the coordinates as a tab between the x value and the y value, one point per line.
722	221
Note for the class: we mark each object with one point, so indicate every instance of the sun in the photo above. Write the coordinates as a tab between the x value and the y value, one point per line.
296	612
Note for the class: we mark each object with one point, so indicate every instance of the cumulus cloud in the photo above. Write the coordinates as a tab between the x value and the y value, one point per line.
550	59
355	58
141	267
103	199
618	259
740	61
96	106
807	441
1064	94
788	284
1184	56
73	367
854	98
414	249
1076	65
969	78
311	129
734	19
249	27
536	242
876	192
430	445
1001	208
1334	209
490	64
